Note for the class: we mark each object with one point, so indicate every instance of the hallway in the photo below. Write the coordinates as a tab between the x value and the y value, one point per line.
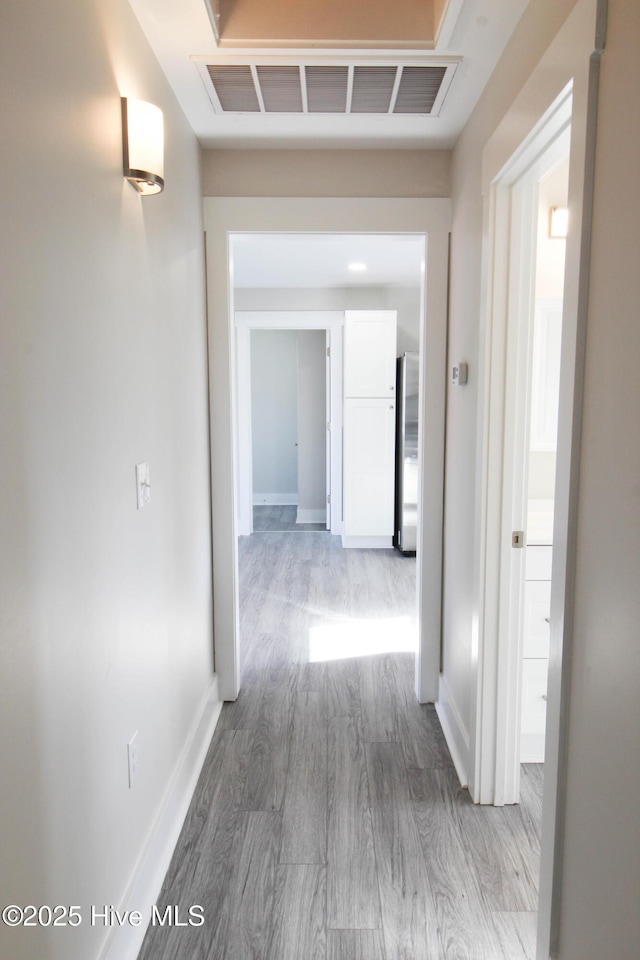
328	821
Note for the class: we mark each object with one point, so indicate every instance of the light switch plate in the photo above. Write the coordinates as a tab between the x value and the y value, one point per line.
459	374
143	484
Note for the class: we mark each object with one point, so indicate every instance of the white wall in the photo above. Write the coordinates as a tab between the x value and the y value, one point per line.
312	425
549	284
105	612
406	300
274	415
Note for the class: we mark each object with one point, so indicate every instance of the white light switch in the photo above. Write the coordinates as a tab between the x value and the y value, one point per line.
459	374
143	484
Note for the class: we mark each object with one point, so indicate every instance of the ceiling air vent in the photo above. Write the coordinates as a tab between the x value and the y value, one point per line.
373	89
281	91
235	88
419	87
327	89
335	88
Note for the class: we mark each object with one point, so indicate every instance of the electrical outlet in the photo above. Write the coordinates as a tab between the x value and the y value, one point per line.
133	758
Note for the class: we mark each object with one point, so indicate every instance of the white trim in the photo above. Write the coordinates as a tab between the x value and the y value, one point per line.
454	730
226	216
245	321
311	516
494	766
244	438
447	24
143	889
371	543
275	500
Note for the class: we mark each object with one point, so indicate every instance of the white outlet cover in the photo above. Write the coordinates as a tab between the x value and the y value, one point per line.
143	484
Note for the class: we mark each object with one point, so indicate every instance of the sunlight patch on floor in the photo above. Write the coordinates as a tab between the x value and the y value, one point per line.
343	639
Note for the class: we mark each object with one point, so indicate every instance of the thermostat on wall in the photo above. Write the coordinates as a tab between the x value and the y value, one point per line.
459	374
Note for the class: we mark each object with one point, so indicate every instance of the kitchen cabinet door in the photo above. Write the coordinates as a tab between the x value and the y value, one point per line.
369	467
370	353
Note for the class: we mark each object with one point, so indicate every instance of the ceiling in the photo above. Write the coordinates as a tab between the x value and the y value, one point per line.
301	73
322	260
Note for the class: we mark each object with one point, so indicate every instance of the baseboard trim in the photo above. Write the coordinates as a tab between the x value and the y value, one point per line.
381	543
311	516
275	499
454	731
124	943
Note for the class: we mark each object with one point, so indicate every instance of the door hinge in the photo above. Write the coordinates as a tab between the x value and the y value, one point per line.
328	424
328	498
328	351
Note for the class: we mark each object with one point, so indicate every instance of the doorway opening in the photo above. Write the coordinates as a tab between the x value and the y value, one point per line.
290	294
526	309
289	420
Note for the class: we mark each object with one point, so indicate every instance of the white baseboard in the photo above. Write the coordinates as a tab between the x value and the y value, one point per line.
454	731
381	543
124	942
311	516
275	499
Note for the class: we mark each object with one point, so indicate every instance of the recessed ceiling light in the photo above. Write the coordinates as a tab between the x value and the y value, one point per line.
357	267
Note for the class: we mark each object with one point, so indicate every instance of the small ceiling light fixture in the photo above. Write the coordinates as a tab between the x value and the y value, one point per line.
143	146
558	222
357	267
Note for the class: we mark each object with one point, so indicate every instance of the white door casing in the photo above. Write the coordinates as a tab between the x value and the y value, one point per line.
495	774
227	216
245	322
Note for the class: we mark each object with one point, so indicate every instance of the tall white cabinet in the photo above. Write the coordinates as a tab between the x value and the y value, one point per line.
369	427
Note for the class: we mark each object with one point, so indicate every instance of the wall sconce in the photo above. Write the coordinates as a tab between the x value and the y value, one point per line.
558	222
143	146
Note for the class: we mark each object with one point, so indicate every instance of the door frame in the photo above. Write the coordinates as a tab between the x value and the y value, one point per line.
505	434
429	218
246	321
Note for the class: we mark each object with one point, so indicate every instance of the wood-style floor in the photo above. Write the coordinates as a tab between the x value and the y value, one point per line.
328	822
278	519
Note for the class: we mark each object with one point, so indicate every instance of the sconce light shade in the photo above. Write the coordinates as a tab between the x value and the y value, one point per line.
558	222
143	146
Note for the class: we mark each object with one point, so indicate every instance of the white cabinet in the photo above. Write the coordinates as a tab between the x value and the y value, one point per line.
369	444
369	427
535	663
370	353
537	604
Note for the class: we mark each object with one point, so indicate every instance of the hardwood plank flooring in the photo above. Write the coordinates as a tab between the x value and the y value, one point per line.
409	919
353	898
304	819
328	822
277	519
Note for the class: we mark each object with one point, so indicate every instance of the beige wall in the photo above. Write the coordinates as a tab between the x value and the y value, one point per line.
497	110
326	173
333	20
598	893
600	916
105	612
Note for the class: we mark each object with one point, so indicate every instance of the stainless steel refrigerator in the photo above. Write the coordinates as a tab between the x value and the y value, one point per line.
406	507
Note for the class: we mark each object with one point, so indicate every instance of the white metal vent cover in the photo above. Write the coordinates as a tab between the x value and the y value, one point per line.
338	88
